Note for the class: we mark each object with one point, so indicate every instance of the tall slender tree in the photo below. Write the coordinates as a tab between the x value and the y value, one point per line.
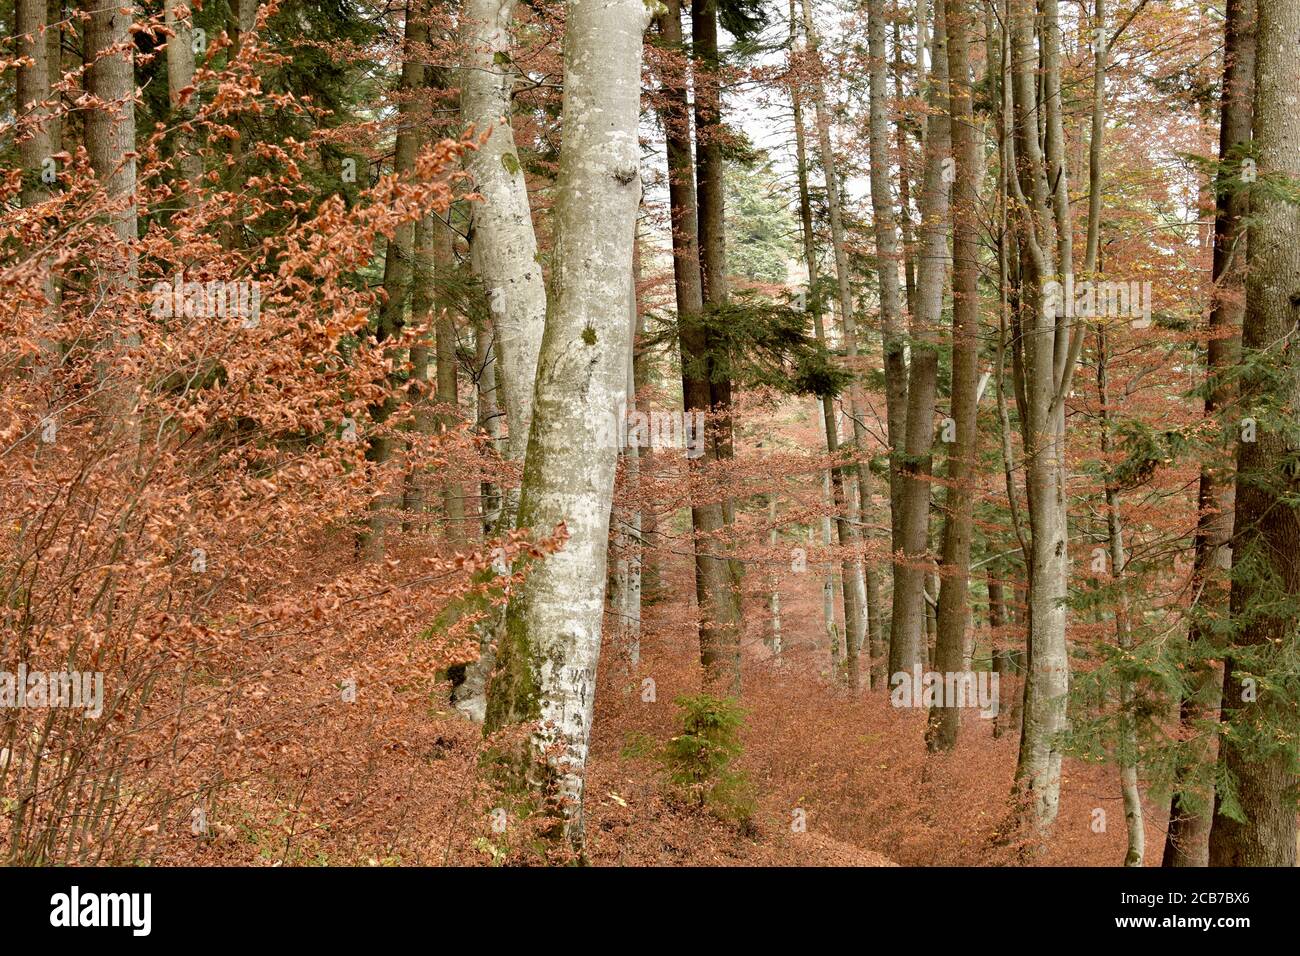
399	260
716	591
887	256
846	516
1047	346
954	584
1128	738
910	566
503	250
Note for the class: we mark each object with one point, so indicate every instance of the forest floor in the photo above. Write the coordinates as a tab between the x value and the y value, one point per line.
840	778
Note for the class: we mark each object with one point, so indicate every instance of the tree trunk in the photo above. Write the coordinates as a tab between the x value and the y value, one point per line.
469	695
1038	771
709	164
651	575
710	173
1128	742
1255	751
906	118
675	116
851	579
488	419
828	585
398	274
998	655
241	19
180	76
549	653
446	393
773	584
1191	805
423	318
35	106
878	649
627	539
954	580
434	262
908	621
36	109
110	142
110	129
718	610
503	244
887	258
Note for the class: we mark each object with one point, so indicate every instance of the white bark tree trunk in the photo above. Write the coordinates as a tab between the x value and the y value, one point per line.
503	250
888	254
1050	353
548	655
504	246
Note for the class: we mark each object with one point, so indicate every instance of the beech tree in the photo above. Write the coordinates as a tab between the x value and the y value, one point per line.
954	585
503	248
888	255
913	518
504	245
718	618
546	669
851	574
